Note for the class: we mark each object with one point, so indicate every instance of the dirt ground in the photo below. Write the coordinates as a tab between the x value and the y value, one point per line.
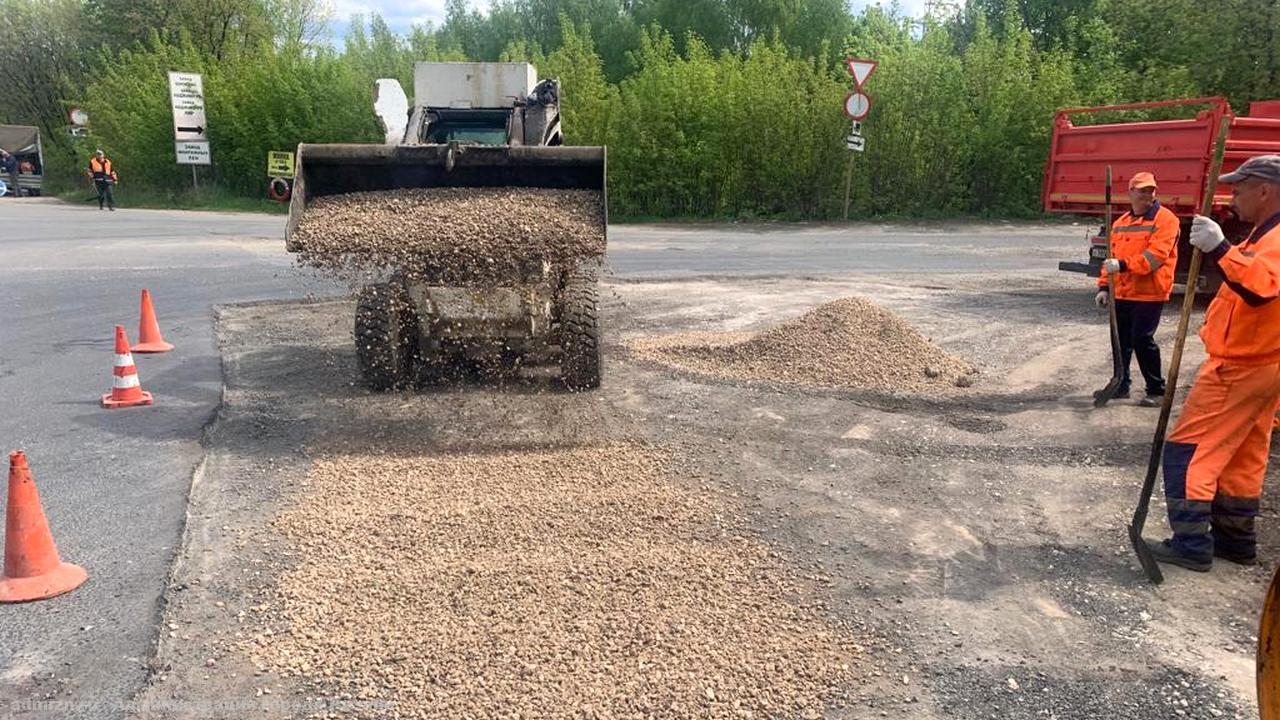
974	543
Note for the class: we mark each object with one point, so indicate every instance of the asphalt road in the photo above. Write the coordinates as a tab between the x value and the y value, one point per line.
115	483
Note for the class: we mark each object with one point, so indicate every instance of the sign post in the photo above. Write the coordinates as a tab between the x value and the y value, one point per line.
190	128
857	104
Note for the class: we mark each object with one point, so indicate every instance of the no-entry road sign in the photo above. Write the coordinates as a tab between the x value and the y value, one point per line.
856	105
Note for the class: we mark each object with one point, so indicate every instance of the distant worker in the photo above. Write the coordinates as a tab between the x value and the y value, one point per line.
104	176
1144	243
1216	456
9	168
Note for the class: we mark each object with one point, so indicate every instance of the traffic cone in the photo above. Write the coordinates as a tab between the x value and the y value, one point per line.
32	568
149	338
126	391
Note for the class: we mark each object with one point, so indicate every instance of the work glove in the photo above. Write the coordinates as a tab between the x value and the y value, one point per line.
1113	266
1101	299
1206	234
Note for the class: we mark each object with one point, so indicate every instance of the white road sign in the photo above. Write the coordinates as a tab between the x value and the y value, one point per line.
186	95
189	125
857	105
860	70
856	143
192	153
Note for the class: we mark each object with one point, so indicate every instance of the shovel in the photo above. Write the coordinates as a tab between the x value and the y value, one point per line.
1101	397
1149	564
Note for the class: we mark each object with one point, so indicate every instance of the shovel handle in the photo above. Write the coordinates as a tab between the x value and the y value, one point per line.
1180	340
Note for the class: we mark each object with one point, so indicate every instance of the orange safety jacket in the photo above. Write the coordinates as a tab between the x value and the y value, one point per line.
101	170
1243	321
1147	247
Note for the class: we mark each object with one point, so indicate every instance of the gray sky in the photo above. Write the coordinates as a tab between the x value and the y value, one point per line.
401	14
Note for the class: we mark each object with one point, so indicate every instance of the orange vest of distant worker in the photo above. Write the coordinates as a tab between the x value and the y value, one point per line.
1243	321
1147	244
101	170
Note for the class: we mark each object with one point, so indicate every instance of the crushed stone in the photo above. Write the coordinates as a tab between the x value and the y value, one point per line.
847	343
450	230
581	582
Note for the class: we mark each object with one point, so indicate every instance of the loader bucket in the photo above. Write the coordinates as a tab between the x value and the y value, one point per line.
332	169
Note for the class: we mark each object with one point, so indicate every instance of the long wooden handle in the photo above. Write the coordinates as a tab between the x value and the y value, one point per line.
1193	278
1117	359
1180	341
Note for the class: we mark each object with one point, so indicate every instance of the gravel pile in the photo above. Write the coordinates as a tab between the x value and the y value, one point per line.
578	583
848	343
474	230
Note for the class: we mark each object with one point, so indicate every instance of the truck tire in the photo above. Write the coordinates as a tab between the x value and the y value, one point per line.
579	333
386	333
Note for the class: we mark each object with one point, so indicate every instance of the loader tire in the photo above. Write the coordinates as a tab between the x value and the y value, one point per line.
579	333
386	333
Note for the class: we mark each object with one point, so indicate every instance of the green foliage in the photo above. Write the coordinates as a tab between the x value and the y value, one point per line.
280	100
711	108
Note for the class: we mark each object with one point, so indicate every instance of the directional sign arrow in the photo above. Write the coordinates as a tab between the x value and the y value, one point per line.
199	130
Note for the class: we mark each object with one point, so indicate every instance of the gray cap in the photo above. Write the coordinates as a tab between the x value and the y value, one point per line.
1263	167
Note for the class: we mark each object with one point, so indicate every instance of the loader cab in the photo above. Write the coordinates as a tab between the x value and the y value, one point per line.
466	126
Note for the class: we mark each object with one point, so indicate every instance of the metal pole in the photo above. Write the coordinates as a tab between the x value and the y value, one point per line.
195	186
848	181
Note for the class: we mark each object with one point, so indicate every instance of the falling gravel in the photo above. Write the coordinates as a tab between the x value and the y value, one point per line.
849	343
462	230
570	583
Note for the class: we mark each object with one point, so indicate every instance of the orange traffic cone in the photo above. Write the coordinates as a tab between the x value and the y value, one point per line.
149	338
126	390
32	568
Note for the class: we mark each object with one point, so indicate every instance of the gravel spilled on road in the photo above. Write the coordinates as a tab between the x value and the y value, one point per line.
848	343
571	583
432	230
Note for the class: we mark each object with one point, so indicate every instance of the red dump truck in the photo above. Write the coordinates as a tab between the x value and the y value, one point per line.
1178	151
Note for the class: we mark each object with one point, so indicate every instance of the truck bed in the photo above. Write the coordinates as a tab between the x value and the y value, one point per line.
1177	151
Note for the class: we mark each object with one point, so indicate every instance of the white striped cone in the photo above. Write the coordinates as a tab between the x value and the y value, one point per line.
126	389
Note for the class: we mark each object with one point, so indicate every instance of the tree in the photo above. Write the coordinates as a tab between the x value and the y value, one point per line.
46	54
302	23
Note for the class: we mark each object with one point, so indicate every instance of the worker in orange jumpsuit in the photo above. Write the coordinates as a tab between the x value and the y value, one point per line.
1216	456
1144	249
104	176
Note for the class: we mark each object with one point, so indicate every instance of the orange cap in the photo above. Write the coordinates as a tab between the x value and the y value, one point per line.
1142	180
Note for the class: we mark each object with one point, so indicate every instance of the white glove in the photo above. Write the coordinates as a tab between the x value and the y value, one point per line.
1101	298
1112	266
1206	234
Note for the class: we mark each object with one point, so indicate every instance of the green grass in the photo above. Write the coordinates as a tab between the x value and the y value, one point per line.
212	198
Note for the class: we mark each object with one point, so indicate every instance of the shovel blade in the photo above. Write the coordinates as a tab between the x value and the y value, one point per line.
1148	561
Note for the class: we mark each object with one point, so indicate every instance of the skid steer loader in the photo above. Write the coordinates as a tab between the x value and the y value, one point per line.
490	125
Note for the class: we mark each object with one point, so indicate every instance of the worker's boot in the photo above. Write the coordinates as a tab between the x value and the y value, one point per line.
1191	546
1121	393
1234	536
1165	552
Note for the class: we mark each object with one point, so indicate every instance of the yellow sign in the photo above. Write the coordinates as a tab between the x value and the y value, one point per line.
279	164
